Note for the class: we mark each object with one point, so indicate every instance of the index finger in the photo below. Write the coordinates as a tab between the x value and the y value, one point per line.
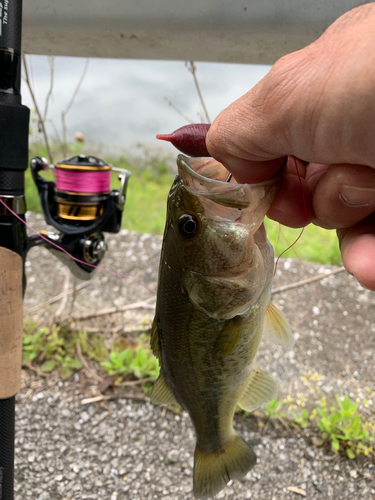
232	140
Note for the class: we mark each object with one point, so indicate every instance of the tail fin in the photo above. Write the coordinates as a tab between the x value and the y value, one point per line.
212	471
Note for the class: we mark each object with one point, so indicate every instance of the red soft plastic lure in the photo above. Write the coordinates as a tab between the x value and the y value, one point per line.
190	139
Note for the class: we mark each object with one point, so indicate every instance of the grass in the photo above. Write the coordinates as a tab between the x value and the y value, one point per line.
145	208
340	427
316	244
51	348
56	348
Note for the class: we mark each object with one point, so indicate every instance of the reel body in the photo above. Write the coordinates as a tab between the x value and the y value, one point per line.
81	206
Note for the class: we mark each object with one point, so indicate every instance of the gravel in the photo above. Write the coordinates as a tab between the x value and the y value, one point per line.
66	450
124	449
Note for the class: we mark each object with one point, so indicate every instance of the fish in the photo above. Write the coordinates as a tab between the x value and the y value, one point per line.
213	307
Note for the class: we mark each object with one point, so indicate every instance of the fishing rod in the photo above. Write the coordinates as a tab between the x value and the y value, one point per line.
14	133
80	205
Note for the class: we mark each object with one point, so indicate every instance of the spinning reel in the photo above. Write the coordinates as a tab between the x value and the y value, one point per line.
80	205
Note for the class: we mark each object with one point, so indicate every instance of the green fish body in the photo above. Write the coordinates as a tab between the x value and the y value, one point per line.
213	296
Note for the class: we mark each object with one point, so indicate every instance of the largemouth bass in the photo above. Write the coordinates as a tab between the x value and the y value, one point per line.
213	306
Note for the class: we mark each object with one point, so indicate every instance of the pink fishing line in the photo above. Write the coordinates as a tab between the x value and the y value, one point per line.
71	256
83	181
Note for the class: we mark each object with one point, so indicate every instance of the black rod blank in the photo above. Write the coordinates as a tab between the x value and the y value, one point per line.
7	420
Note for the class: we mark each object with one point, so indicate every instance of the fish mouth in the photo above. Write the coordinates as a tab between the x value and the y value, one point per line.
208	179
212	172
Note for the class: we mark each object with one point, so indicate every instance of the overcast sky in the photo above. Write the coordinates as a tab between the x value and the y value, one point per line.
122	102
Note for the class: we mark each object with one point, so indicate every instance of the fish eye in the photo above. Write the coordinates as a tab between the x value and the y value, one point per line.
188	226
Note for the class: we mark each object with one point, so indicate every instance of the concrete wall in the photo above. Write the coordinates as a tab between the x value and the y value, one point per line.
241	31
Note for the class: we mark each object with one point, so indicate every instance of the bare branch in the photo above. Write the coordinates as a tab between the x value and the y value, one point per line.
178	110
41	120
97	399
64	113
193	70
56	132
136	382
78	87
75	284
307	281
59	296
64	298
51	62
144	304
90	372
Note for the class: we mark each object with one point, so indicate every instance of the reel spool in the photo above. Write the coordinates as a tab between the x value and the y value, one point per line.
83	184
80	205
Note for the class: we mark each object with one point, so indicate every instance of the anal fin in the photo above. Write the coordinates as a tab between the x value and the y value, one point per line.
260	388
277	328
161	393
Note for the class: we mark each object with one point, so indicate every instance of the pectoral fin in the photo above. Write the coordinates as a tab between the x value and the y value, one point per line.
260	389
277	328
155	341
227	340
161	393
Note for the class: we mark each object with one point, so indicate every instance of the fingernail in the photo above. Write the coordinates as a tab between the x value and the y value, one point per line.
357	196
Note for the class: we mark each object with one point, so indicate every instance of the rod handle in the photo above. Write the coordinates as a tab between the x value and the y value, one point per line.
11	322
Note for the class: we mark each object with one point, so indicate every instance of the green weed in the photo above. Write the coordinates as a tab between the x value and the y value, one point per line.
93	346
33	345
272	409
303	420
343	426
52	348
55	348
140	363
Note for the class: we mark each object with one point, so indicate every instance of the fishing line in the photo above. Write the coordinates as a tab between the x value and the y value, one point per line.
290	246
71	256
83	181
320	303
304	219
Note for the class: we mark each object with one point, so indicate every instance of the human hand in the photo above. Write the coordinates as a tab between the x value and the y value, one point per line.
316	106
